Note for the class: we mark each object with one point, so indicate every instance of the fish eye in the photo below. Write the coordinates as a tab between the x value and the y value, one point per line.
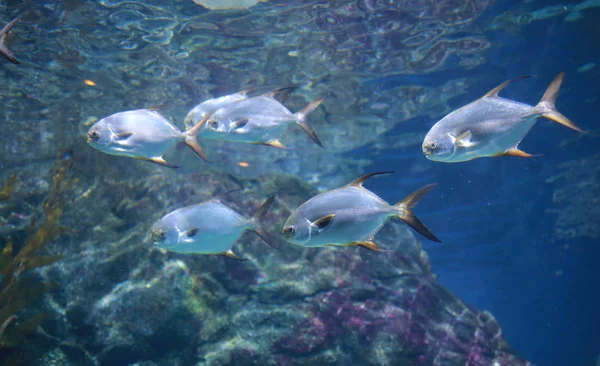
433	146
93	136
289	230
213	124
159	235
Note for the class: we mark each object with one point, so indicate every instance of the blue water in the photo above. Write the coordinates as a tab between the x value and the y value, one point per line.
499	251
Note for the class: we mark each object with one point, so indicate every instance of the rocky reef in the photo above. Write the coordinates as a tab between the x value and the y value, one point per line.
116	299
120	301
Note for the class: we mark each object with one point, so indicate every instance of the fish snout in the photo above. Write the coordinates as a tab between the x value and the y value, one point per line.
93	136
429	148
158	236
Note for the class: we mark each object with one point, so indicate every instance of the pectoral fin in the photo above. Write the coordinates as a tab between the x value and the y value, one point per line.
123	136
517	153
322	222
239	123
464	139
160	161
370	244
191	233
232	255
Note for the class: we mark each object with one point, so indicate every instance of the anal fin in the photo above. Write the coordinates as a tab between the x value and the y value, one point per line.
274	143
518	153
232	255
160	161
370	244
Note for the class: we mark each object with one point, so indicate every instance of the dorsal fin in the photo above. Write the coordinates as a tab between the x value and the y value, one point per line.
222	196
494	92
157	107
280	94
358	182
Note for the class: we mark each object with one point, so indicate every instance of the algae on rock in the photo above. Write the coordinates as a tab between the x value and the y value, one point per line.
17	289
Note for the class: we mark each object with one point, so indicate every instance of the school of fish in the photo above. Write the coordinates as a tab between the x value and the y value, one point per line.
351	215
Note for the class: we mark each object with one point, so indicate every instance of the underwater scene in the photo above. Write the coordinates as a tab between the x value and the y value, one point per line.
300	182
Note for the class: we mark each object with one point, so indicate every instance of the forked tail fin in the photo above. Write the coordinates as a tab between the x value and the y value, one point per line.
405	212
191	137
547	107
257	219
4	51
301	120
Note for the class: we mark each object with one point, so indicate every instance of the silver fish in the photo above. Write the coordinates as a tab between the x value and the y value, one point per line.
206	228
257	120
350	216
4	51
210	106
490	126
142	134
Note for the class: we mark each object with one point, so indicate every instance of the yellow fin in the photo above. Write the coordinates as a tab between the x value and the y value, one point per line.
193	143
303	123
370	244
359	181
274	143
547	104
191	138
160	161
232	255
406	214
494	92
517	153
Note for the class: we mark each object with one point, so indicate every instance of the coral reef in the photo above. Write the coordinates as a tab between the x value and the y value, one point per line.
17	289
121	301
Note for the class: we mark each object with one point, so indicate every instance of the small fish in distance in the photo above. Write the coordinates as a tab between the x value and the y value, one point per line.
350	216
207	228
490	126
258	120
142	134
4	51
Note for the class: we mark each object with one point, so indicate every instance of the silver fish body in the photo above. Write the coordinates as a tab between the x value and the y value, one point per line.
490	126
349	216
205	228
257	120
359	214
210	106
142	134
